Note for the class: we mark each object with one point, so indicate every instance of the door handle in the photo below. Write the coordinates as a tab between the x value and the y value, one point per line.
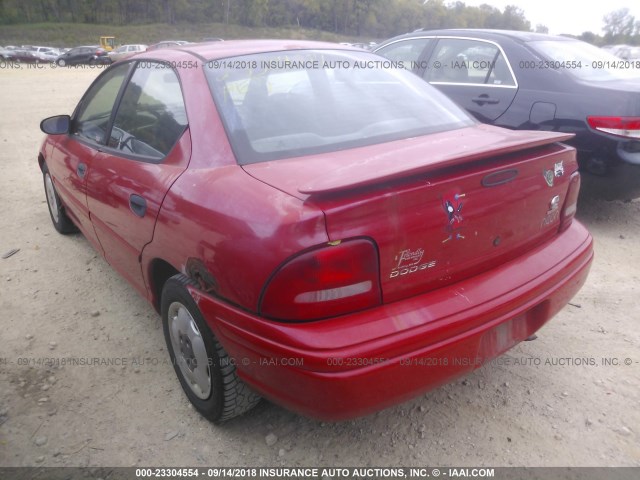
81	170
484	98
138	205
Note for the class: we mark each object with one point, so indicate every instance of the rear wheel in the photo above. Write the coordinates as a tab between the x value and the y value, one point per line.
205	370
59	218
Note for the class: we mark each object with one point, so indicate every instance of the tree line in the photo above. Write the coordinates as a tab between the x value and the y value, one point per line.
374	18
370	18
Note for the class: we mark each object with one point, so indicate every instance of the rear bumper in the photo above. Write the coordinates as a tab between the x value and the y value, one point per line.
610	149
356	364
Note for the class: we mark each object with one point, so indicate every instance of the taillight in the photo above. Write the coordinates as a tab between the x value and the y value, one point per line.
621	126
331	280
570	203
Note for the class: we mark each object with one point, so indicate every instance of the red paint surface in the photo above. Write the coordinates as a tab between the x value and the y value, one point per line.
458	288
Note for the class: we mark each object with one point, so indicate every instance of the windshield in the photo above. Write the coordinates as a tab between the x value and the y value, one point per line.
586	61
284	104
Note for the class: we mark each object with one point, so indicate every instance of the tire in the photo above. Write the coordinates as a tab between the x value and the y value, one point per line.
59	218
206	372
61	62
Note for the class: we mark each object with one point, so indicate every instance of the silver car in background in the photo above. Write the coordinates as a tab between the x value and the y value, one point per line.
126	51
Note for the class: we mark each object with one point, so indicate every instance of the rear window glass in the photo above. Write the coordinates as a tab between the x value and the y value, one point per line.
286	104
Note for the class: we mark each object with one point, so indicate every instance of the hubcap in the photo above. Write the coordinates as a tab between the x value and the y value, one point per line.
189	350
51	197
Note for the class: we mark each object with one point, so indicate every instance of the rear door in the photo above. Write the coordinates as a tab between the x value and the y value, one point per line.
147	149
475	73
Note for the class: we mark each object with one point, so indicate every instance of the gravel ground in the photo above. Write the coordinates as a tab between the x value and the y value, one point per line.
566	399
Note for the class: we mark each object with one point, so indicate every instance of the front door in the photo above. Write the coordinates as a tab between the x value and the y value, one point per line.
73	157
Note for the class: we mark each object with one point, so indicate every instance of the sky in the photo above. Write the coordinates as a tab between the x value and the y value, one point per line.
565	16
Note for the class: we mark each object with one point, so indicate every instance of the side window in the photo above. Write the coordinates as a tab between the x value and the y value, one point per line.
151	116
406	51
469	61
92	119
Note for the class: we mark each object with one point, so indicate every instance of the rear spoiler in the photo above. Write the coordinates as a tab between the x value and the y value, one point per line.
354	168
407	157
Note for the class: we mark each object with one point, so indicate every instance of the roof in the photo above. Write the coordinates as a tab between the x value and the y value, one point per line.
234	48
486	33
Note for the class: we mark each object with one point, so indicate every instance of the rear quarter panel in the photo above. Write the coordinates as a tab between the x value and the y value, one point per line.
238	227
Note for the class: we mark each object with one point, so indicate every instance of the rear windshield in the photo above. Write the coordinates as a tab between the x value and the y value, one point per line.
286	104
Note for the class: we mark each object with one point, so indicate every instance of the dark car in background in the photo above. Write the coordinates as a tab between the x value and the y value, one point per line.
87	55
22	55
29	54
524	80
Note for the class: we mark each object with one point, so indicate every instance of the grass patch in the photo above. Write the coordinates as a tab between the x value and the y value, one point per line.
74	34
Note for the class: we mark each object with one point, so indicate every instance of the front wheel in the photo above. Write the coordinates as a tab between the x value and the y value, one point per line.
59	218
205	370
61	62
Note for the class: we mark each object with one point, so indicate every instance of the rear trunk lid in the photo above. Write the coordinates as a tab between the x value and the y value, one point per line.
441	207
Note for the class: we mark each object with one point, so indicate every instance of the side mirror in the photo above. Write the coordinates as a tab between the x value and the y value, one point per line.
58	125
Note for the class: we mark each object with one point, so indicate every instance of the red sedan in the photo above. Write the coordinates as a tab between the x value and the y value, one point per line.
315	225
